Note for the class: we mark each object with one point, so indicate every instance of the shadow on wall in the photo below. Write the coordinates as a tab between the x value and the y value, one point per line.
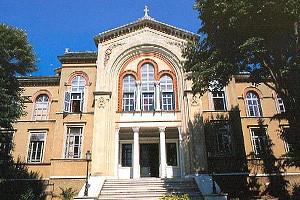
16	182
218	141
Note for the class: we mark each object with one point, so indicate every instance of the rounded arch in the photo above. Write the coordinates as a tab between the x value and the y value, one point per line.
144	61
146	51
252	89
78	73
40	92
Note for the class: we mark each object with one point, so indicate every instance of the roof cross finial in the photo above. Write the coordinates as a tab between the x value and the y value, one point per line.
146	10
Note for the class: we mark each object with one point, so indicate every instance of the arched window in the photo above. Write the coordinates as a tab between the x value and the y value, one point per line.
41	107
129	90
78	84
74	99
167	92
253	104
147	82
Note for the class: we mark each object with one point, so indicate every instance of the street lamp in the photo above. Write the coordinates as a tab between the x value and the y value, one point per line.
88	158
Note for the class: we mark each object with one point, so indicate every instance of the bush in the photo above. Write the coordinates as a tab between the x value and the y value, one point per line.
176	197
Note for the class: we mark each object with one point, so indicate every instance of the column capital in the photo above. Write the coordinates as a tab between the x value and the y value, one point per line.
138	82
135	129
117	129
156	83
179	128
162	129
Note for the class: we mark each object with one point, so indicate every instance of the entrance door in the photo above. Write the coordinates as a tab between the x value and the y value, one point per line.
149	156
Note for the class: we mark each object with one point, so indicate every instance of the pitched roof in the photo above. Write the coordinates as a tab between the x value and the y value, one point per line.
145	21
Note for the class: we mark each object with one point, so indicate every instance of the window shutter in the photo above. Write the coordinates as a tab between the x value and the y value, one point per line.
67	99
81	101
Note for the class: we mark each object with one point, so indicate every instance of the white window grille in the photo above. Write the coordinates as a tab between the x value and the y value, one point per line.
224	140
147	83
253	105
74	99
218	99
259	141
36	147
129	90
73	142
280	105
167	92
41	107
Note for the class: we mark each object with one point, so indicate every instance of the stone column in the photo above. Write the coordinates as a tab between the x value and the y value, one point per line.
136	153
117	150
181	153
163	157
138	96
157	96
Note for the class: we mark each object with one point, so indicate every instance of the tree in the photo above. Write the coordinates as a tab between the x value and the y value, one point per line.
16	57
258	38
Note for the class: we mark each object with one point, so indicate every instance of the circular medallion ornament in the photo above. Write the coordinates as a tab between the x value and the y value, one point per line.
101	102
108	51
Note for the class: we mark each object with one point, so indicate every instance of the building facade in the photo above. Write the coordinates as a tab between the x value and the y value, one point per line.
130	106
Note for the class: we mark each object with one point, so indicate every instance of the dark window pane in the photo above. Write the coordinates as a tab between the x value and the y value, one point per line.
171	154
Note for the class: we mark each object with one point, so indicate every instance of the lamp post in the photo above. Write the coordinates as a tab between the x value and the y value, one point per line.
88	158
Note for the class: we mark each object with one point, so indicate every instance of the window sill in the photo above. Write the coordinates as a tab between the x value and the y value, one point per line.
38	163
150	111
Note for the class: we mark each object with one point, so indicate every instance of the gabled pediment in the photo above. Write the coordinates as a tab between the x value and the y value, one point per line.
143	22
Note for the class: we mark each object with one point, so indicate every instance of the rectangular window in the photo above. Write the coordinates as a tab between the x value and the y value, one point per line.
36	147
288	146
73	142
218	98
167	101
73	102
223	140
128	101
126	155
171	154
259	141
148	101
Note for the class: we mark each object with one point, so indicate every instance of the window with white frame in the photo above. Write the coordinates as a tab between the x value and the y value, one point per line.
167	92
280	105
288	146
129	93
253	105
148	88
73	142
259	141
224	141
74	99
126	155
171	149
218	99
41	107
36	147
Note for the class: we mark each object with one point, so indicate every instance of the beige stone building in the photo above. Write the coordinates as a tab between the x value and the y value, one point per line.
131	107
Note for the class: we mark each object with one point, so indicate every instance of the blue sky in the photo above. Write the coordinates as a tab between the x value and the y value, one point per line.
53	25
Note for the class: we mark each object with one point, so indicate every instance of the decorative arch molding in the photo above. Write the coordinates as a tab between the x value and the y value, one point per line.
252	89
121	61
144	61
47	92
79	73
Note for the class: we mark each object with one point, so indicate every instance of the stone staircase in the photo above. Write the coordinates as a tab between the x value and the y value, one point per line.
148	188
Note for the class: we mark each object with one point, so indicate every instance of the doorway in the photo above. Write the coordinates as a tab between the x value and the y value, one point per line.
149	154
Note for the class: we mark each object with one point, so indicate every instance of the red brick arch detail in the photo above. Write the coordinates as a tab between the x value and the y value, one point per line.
161	73
84	75
144	61
156	74
42	92
252	89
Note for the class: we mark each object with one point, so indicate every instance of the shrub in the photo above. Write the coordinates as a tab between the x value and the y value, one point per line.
176	197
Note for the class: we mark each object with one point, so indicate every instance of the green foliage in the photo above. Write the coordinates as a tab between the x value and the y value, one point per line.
176	197
16	57
68	193
259	38
16	182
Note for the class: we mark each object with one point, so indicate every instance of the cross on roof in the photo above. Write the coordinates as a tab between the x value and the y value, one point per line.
146	10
